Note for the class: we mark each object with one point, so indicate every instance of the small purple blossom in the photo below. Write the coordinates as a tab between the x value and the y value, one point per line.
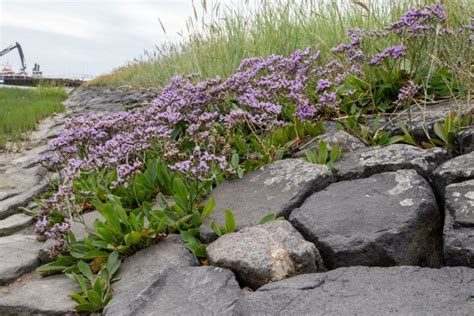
323	84
407	93
393	52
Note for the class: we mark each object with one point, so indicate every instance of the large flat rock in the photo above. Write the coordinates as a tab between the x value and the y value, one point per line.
18	254
14	223
10	205
106	99
455	170
191	291
265	253
40	296
367	291
139	272
459	224
387	219
277	188
366	162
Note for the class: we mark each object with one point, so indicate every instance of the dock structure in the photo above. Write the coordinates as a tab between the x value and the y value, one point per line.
33	81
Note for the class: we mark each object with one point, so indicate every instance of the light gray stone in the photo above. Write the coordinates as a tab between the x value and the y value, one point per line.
367	291
107	99
85	224
18	255
455	170
387	219
277	188
459	224
347	142
41	296
10	206
366	162
14	223
191	291
265	253
138	272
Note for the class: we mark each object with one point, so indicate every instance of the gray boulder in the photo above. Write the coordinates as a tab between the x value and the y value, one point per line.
265	253
459	224
277	188
138	272
366	291
347	142
18	254
387	219
191	291
40	296
366	162
455	170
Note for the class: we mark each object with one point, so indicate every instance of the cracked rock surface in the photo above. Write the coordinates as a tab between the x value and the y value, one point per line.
455	170
459	224
191	291
387	219
277	188
367	291
366	162
140	271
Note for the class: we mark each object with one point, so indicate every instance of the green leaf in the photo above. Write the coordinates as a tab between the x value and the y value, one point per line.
95	298
267	218
78	298
85	269
86	308
439	131
234	160
113	263
208	208
216	229
135	237
323	153
229	221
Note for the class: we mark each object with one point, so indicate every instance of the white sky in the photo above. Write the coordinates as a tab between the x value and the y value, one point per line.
87	37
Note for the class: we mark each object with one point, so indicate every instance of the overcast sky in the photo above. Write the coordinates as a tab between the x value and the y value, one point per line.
86	37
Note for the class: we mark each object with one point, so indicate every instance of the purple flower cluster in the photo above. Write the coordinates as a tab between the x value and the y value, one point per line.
407	93
420	22
393	52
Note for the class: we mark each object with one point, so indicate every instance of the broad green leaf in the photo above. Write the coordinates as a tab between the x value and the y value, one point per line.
439	131
113	263
229	221
234	160
267	218
85	269
216	229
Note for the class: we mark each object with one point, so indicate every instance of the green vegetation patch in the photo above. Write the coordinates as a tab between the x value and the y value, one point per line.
220	36
22	109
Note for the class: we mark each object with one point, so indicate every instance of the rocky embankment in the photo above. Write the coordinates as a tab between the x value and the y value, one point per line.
390	230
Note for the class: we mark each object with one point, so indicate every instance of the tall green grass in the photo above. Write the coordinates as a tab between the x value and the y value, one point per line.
222	36
22	109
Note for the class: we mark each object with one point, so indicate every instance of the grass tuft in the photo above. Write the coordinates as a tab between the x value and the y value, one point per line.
22	109
224	35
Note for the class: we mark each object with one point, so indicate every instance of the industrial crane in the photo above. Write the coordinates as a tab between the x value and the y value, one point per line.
20	52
